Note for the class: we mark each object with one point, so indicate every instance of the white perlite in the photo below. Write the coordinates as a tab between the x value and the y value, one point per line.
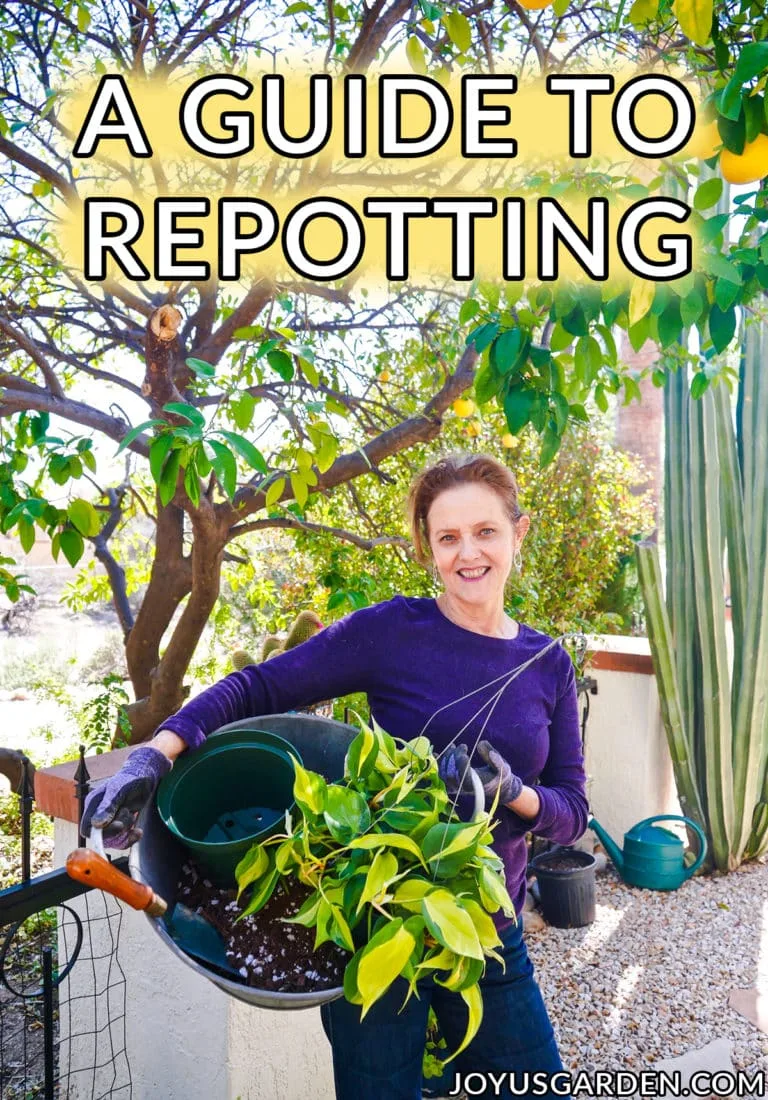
650	978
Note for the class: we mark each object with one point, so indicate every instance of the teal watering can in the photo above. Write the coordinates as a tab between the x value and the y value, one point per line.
652	857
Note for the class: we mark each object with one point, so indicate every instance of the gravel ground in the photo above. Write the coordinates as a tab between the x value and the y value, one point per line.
650	978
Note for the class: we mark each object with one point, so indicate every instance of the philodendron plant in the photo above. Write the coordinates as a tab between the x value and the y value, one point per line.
396	877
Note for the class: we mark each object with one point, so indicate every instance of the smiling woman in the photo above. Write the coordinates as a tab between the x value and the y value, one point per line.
474	559
440	670
466	515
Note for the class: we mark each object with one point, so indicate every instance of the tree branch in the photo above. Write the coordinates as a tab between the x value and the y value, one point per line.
114	570
23	397
294	524
375	27
35	354
420	428
15	153
245	314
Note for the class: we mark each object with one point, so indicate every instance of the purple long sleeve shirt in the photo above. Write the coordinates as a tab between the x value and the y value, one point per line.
411	661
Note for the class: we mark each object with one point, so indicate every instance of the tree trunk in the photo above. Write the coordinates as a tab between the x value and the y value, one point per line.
165	693
170	581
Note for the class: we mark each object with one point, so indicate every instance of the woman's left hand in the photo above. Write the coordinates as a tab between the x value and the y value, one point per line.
497	775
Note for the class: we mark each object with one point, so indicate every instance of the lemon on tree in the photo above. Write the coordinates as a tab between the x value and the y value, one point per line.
534	5
705	141
507	440
462	406
384	376
472	429
749	166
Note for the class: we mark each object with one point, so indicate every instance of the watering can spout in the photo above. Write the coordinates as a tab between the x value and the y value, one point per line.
614	852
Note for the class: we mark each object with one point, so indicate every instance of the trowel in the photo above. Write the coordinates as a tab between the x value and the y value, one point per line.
190	930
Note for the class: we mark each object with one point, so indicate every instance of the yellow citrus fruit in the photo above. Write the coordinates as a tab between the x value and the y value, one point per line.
705	141
507	440
534	5
473	428
462	406
749	166
384	376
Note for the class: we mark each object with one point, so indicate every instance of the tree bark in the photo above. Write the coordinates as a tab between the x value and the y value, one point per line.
165	692
170	581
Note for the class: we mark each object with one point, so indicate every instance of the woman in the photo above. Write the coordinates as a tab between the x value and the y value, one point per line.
420	661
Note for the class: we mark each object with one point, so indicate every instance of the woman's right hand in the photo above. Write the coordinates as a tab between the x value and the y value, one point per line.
115	806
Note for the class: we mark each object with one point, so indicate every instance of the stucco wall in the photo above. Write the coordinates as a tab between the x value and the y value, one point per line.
186	1039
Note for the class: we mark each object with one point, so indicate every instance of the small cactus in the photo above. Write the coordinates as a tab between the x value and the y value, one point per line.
303	627
240	659
271	642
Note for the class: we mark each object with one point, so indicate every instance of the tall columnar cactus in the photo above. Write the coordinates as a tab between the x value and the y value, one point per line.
714	704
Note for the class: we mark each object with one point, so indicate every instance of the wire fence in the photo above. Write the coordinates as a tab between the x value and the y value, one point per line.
62	988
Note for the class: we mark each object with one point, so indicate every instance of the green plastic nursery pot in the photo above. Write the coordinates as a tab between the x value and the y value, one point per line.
229	794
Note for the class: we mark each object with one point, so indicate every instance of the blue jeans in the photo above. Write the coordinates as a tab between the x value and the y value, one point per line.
380	1057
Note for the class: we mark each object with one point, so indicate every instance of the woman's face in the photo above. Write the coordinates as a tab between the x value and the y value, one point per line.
473	542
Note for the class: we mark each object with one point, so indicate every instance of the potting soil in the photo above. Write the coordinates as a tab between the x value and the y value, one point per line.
267	953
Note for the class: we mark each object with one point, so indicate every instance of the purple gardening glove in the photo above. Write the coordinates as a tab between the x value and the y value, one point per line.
497	775
453	769
115	806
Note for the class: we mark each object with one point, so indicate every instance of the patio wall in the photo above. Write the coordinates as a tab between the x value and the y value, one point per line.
186	1038
628	765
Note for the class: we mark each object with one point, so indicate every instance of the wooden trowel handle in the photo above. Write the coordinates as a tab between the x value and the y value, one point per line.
93	870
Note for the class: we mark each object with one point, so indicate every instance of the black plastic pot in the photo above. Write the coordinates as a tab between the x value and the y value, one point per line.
566	880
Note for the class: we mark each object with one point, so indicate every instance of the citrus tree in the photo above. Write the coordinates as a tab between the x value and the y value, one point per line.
257	399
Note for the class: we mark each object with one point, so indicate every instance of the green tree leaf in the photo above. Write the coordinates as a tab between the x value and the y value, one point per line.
186	411
241	409
469	309
274	492
415	55
168	478
72	545
299	488
225	467
281	362
722	326
695	19
192	484
708	193
640	299
246	450
518	404
200	367
129	437
459	30
84	517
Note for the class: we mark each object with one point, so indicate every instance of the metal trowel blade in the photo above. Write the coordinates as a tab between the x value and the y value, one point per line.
197	937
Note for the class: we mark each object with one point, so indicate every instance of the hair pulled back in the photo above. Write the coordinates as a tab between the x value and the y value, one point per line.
447	473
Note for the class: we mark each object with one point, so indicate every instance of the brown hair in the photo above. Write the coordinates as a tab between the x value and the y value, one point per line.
447	473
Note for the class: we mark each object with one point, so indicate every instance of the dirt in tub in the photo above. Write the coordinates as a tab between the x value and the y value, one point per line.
267	952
